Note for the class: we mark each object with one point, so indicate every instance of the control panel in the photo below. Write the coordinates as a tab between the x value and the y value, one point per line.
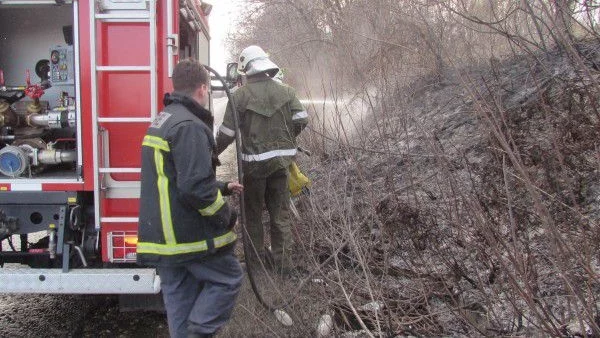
62	65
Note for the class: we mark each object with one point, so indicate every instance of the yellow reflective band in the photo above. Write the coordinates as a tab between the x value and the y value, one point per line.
184	248
163	195
213	208
156	143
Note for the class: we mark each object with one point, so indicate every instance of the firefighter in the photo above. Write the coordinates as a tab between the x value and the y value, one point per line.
271	117
185	226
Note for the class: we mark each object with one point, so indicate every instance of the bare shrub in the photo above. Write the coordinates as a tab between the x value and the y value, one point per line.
468	201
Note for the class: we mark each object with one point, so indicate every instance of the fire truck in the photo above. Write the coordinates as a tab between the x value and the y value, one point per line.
80	81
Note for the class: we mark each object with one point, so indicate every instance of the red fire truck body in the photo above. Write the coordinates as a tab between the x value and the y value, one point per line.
70	158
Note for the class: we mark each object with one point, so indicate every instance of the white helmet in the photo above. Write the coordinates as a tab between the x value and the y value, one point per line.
254	60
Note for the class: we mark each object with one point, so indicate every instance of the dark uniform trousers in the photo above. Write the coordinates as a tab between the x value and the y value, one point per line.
205	289
274	192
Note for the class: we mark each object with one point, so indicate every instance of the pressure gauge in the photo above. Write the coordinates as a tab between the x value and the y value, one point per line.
13	161
55	56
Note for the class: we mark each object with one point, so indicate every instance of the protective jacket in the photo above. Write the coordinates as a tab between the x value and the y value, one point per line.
271	116
183	215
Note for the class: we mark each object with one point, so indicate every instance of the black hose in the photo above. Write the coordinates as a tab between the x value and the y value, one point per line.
10	243
238	149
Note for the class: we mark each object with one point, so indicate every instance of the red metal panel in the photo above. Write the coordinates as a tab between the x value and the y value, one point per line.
125	142
124	94
124	44
122	207
128	94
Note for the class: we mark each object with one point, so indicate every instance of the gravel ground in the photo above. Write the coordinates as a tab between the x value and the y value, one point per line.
75	316
99	316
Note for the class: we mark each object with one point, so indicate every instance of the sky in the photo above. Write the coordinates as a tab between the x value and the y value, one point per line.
221	21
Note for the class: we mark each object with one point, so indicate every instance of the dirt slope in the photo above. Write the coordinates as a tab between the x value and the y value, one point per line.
472	206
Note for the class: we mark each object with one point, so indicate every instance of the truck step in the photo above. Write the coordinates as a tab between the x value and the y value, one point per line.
123	68
119	220
125	119
118	17
79	281
120	170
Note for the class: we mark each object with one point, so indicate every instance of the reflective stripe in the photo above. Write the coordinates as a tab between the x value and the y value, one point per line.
163	196
214	207
300	115
268	155
184	248
227	131
156	143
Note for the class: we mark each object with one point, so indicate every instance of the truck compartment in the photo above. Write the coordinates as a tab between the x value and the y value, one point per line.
39	115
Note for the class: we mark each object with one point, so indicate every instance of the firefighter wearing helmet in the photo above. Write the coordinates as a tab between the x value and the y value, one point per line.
271	117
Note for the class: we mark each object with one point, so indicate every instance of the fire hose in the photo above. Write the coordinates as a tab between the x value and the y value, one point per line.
279	313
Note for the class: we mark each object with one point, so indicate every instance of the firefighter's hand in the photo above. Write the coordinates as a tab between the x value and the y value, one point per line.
235	187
